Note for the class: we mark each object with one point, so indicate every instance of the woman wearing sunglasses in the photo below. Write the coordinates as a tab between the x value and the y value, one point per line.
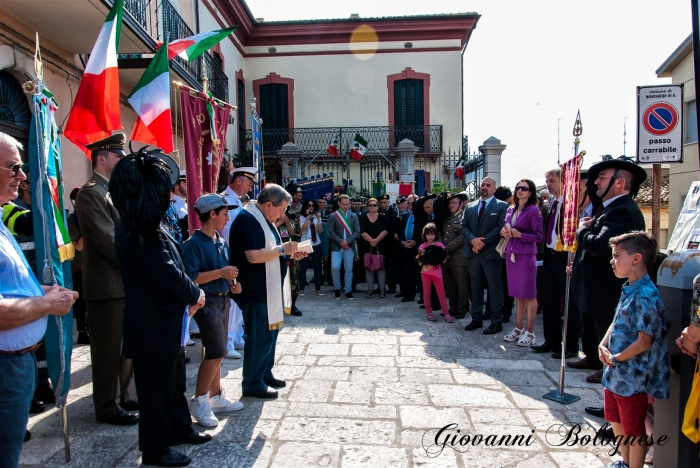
523	229
374	227
311	229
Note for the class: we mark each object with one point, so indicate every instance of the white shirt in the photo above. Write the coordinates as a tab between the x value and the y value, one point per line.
607	202
232	199
306	233
553	245
180	205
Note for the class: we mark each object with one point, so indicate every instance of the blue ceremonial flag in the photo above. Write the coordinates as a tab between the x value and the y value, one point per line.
54	249
257	151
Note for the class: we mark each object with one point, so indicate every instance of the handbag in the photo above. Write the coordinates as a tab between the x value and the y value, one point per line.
373	261
691	417
501	247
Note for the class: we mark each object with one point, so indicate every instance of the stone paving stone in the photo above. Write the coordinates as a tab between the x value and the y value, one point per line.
353	392
380	457
455	395
357	361
373	374
328	349
484	417
226	453
311	390
285	371
451	352
317	338
412	361
338	430
538	461
576	460
421	459
427	417
290	348
426	376
94	451
370	339
327	373
299	455
374	350
474	377
292	360
488	457
286	337
327	410
261	409
400	394
421	340
531	397
522	365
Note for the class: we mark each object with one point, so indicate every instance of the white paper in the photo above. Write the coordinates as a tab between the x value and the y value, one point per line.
305	246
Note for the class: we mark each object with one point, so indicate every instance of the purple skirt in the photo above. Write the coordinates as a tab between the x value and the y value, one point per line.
522	276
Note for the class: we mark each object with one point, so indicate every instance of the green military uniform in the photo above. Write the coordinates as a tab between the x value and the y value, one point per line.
103	290
455	271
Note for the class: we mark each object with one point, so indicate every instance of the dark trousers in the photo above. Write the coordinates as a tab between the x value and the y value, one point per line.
164	417
553	294
485	273
79	311
391	265
315	259
508	301
17	383
260	343
456	278
409	272
590	339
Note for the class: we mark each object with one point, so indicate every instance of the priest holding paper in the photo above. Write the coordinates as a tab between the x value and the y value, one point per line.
257	249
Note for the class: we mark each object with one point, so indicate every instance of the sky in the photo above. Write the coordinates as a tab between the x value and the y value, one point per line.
530	63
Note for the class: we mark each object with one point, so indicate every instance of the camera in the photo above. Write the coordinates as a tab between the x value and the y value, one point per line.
291	216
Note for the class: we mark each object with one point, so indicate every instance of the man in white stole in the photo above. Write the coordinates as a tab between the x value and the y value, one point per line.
261	257
242	179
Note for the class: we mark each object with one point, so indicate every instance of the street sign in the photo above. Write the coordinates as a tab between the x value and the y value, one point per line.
659	124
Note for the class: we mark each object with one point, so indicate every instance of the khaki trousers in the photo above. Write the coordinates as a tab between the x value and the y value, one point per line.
112	373
456	279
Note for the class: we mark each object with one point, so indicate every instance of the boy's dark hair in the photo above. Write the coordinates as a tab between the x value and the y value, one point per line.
204	217
429	228
637	242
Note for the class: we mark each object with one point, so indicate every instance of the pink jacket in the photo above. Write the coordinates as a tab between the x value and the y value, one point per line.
529	224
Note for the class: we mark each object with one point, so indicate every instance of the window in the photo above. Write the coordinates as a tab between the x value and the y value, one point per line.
691	128
408	111
273	105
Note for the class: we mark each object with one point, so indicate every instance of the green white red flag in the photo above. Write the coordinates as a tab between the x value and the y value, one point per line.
333	147
151	101
95	113
192	47
359	146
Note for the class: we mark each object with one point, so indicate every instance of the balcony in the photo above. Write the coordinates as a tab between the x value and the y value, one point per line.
380	140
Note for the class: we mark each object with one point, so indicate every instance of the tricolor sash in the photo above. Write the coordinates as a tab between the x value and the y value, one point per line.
348	230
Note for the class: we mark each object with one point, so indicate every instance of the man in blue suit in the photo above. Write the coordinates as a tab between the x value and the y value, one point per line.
481	227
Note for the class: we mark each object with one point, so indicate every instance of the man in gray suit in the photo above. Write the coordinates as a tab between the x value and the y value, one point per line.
481	227
343	231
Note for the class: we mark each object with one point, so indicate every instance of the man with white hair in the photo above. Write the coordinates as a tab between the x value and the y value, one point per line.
24	307
544	195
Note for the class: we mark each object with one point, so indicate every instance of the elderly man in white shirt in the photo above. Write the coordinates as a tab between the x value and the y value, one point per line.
242	180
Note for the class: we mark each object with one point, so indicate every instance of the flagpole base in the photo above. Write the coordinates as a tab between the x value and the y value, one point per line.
563	398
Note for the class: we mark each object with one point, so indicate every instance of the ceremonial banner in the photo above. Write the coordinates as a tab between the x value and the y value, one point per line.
202	114
570	174
53	244
257	150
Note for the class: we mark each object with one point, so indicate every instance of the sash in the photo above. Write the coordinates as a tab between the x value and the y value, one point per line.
348	230
278	302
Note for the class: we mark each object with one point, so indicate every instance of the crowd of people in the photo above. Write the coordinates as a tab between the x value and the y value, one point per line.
147	281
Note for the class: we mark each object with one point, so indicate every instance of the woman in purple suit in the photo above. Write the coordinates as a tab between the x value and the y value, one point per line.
524	229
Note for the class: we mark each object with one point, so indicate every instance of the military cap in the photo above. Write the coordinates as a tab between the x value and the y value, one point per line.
400	200
249	172
384	197
183	175
211	201
114	143
462	196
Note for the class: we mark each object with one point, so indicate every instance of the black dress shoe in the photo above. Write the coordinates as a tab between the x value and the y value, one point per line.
195	438
422	306
582	364
600	412
45	393
296	312
187	359
401	294
123	419
27	436
131	405
391	291
408	299
458	316
37	407
543	348
493	329
474	324
275	383
265	394
569	355
172	458
420	301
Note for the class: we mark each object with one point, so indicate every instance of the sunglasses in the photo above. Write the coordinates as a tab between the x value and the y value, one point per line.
524	189
14	169
372	205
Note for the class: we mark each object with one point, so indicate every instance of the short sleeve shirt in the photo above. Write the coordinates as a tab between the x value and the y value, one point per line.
247	234
200	254
640	309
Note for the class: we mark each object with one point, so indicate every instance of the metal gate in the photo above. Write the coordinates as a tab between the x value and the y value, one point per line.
375	172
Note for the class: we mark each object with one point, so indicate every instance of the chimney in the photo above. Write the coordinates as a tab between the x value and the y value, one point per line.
354	16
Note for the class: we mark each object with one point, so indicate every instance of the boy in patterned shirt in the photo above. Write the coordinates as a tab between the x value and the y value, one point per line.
634	349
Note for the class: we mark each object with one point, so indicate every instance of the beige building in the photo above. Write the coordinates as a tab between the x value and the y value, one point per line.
387	79
680	68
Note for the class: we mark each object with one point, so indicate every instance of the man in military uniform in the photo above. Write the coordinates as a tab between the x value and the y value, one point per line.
102	286
293	211
391	262
357	207
455	272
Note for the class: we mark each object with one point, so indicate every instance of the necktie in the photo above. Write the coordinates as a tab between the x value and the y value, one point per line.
481	209
550	222
430	218
409	227
313	231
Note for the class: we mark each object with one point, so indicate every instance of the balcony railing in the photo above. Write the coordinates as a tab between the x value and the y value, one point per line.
380	140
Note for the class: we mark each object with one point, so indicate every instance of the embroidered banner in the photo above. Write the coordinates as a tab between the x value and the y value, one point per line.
570	174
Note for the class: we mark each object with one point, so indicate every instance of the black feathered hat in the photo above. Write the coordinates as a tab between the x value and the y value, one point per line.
432	255
639	174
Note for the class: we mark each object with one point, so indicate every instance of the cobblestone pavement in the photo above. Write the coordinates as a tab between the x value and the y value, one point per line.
369	383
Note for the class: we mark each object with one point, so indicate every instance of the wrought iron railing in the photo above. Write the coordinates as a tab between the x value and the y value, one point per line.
380	140
140	10
218	81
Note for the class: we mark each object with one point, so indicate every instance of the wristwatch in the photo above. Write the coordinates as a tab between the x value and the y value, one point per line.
612	359
281	250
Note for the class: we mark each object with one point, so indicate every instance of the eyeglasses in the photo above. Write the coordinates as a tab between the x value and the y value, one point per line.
14	169
371	206
524	189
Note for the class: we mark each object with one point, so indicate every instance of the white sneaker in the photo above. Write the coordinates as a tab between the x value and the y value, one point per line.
190	342
233	354
201	411
194	331
221	404
240	347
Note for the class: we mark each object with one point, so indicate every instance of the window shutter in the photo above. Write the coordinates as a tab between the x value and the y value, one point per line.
274	110
691	128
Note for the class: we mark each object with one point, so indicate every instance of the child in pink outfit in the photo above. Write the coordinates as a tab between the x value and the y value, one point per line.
432	275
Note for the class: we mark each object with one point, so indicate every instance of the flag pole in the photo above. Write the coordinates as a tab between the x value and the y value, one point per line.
381	154
559	395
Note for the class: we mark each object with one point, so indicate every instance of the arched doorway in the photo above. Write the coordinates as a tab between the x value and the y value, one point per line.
15	114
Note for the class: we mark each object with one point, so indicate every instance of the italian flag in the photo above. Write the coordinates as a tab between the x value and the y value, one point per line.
151	101
95	113
333	147
359	146
192	47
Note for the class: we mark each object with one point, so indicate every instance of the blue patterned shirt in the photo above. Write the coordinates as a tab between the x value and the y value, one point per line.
17	280
640	309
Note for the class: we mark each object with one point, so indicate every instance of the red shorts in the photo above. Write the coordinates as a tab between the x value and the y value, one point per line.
630	411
